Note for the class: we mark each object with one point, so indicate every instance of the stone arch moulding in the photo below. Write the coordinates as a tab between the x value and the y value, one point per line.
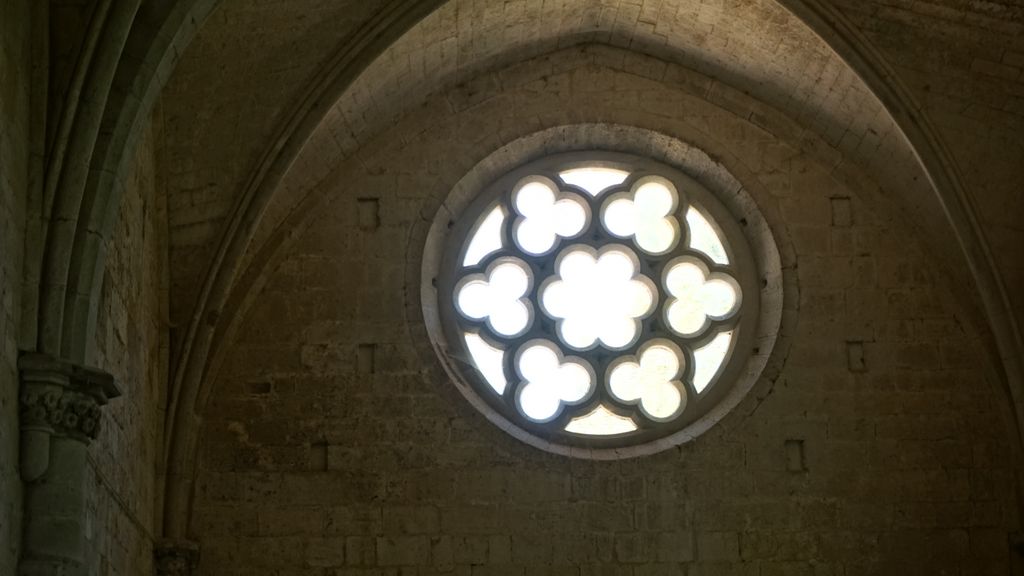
158	33
181	429
138	43
68	310
829	25
945	178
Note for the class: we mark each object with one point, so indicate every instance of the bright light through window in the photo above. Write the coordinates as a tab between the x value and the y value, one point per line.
601	422
704	238
550	381
487	239
594	179
709	358
652	381
598	297
597	302
645	214
544	216
489	360
499	298
696	299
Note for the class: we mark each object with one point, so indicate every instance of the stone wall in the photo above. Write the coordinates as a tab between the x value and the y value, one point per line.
964	63
311	465
250	108
121	484
14	184
961	61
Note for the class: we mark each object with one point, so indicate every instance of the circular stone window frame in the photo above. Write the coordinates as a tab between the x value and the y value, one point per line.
732	212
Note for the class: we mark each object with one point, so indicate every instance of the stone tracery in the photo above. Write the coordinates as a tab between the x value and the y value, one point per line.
626	295
111	149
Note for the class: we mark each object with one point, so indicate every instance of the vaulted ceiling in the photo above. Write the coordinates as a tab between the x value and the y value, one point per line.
271	96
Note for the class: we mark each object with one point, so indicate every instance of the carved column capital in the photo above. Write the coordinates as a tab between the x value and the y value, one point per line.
59	413
176	557
57	398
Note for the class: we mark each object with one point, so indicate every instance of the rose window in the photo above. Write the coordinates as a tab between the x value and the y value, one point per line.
598	302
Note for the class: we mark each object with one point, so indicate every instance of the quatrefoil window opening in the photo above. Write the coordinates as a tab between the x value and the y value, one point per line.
580	303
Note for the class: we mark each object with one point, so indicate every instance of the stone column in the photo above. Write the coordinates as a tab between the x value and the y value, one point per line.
59	412
176	558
